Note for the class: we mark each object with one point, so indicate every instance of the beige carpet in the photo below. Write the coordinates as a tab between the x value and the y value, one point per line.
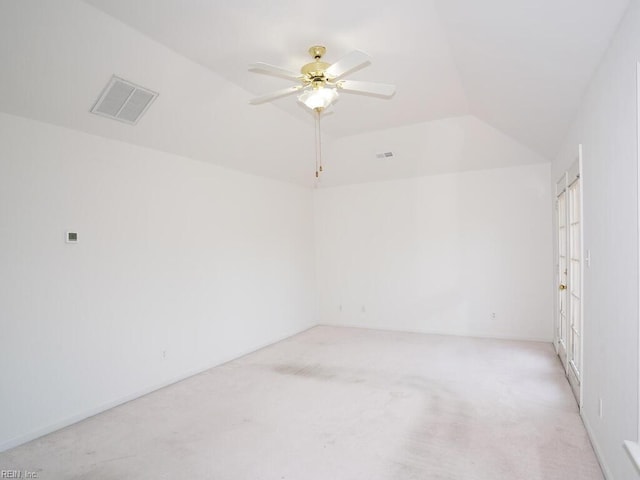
340	403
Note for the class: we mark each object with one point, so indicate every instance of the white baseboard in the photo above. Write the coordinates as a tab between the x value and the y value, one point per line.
445	333
633	449
70	420
596	449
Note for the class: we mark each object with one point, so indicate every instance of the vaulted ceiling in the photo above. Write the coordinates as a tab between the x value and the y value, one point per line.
519	67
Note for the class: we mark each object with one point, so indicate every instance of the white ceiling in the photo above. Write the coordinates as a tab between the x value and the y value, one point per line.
492	68
520	65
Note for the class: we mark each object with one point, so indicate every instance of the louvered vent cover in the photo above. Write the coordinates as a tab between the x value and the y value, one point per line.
384	155
124	101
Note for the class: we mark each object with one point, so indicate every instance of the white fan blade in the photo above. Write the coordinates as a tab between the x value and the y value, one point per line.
277	94
346	64
274	70
382	89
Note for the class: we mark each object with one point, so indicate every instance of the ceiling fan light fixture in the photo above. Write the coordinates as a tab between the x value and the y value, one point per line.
319	98
319	81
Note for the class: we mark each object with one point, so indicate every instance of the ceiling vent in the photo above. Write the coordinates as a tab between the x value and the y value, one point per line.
384	155
123	101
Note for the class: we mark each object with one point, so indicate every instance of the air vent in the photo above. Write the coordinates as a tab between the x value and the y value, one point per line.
384	155
123	101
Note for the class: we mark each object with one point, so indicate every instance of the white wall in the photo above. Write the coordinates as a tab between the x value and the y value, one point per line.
175	255
58	56
607	128
456	144
439	254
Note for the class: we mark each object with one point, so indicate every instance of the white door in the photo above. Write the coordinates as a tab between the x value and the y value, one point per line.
575	282
561	270
569	276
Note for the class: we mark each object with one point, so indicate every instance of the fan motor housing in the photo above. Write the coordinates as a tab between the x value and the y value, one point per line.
315	69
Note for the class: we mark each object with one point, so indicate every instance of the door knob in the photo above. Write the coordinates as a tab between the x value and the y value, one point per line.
562	287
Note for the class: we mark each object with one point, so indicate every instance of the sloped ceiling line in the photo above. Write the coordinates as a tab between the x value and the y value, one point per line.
520	67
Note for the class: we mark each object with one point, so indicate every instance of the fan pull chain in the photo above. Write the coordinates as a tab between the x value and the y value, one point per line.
318	145
317	122
320	141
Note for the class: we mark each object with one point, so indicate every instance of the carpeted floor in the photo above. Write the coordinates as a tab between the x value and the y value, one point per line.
335	404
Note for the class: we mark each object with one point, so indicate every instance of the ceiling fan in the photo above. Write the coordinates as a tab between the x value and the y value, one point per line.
320	81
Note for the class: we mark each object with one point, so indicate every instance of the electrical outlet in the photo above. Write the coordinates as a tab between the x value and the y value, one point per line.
164	354
493	315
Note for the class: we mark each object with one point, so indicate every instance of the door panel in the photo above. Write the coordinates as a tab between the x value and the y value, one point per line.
562	321
569	275
575	284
